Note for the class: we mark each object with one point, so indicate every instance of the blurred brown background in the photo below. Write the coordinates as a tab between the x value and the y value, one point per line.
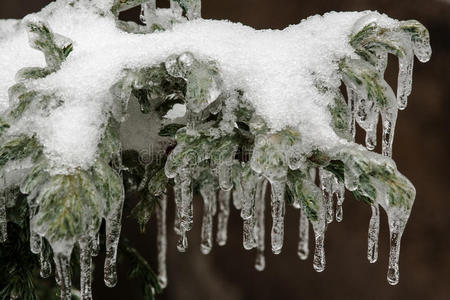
421	151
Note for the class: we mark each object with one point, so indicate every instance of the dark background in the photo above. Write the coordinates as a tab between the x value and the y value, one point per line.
421	151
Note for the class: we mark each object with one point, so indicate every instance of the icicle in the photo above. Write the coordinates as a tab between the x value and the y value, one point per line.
148	12
176	8
339	191
404	81
352	101
184	214
209	198
278	211
85	268
222	218
389	119
374	228
367	118
161	212
319	226
252	192
182	243
248	195
319	252
371	138
351	175
260	206
113	227
303	243
178	203
46	266
248	236
186	201
35	239
194	9
62	263
397	219
3	220
237	199
225	175
393	274
381	63
326	185
95	245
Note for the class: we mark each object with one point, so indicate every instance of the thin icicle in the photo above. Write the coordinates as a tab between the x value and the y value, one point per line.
225	174
248	195
237	199
260	206
161	212
404	81
303	243
183	200
374	229
339	191
371	137
389	119
278	211
85	268
209	198
248	235
393	275
249	239
178	203
397	218
326	185
382	61
176	8
367	117
319	252
35	239
62	263
182	243
187	213
3	220
46	266
222	218
352	101
113	227
319	226
95	245
148	12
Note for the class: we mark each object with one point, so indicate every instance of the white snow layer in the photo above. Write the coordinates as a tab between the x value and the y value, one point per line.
273	67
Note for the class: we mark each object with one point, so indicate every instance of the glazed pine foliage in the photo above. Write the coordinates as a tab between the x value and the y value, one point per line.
218	141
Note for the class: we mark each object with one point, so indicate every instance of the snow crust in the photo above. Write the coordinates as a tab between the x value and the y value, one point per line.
276	69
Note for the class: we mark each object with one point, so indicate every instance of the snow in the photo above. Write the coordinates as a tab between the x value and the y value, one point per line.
274	68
